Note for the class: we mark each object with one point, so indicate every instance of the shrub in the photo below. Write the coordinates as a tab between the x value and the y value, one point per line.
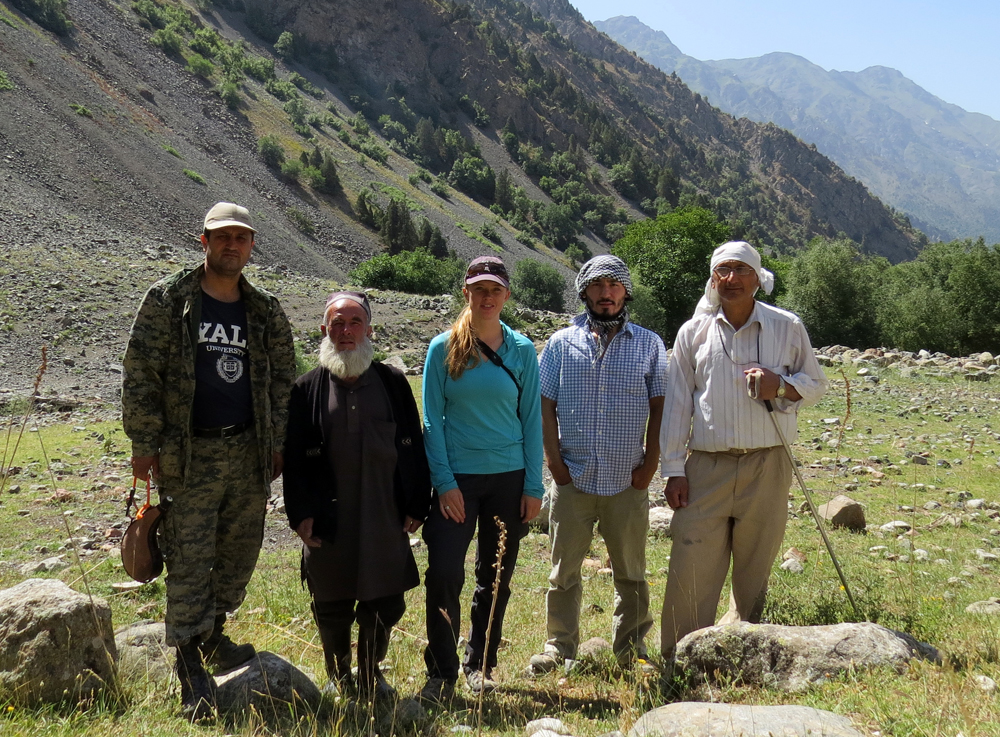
416	272
167	40
172	151
315	177
206	42
301	220
194	176
282	90
259	68
230	94
537	285
49	14
292	169
270	150
439	188
200	66
490	231
5	83
81	110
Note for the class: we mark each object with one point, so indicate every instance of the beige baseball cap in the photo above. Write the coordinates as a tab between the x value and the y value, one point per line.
224	214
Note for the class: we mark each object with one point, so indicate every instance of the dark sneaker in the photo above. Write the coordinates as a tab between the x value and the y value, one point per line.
438	690
479	682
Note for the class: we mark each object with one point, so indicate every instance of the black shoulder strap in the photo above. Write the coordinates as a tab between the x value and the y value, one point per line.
495	358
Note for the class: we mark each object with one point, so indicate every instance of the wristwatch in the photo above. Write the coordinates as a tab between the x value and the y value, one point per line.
781	387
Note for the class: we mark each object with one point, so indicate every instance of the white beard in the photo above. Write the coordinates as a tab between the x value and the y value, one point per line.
346	364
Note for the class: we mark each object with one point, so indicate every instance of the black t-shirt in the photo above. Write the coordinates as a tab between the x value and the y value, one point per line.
222	394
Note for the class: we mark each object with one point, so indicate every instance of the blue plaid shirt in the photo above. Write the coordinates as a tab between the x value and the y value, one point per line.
602	404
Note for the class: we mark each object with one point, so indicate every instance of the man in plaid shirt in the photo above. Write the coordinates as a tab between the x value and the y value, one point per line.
603	380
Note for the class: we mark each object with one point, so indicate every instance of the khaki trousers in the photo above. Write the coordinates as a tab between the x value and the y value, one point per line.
623	521
737	509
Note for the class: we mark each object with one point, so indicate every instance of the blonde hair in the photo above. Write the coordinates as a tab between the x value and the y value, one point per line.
463	350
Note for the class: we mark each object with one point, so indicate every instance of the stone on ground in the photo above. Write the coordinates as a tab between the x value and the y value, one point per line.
143	652
842	511
550	724
268	684
54	645
792	658
687	719
594	648
659	521
990	606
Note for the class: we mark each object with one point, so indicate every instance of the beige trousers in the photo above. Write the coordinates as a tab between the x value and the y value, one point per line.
737	510
623	521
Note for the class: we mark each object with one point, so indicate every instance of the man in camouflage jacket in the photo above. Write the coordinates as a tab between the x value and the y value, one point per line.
207	375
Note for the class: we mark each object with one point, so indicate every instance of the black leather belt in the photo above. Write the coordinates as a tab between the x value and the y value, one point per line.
222	432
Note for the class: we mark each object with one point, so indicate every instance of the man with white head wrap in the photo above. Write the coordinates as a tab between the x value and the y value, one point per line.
727	474
602	378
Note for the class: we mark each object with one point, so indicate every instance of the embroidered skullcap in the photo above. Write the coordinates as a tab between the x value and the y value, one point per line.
359	297
603	267
734	251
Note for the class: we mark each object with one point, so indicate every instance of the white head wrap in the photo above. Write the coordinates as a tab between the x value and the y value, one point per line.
733	251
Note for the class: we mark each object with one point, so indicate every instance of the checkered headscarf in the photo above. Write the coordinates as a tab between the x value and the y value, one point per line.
603	267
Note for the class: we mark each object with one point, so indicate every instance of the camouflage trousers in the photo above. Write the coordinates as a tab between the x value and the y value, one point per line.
212	533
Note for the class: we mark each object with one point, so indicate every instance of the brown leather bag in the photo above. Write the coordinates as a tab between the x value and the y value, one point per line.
140	552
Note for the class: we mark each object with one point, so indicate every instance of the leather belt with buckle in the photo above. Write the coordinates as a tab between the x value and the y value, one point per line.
222	432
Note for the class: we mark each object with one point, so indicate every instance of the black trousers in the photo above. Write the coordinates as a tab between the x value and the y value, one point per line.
375	619
486	496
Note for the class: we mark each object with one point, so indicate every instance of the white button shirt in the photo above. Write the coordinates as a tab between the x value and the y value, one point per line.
707	407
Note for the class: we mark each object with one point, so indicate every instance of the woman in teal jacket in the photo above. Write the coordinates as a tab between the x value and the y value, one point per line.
483	435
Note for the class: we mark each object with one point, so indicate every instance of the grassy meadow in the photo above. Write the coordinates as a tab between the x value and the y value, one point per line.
74	475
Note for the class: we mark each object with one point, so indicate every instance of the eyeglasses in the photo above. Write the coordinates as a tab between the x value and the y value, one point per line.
723	272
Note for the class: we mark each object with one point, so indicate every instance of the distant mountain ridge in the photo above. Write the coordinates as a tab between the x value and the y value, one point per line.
928	158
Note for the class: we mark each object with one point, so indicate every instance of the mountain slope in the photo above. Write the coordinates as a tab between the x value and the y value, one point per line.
109	139
933	160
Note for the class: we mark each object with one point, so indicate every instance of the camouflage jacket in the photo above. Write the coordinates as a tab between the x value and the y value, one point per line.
158	380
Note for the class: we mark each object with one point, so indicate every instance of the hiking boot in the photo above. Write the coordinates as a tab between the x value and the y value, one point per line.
480	683
377	689
543	663
197	687
438	690
222	653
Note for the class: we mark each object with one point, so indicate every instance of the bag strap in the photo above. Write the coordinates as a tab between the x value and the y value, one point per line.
494	358
131	496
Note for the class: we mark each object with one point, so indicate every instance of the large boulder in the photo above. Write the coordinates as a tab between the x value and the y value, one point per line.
792	658
842	511
267	684
688	719
143	654
55	644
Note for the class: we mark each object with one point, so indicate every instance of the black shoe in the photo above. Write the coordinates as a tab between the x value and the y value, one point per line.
438	690
197	687
377	689
222	653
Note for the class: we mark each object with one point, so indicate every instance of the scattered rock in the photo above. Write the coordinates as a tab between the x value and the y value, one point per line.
595	647
792	658
659	521
408	715
143	652
54	643
842	511
688	719
793	565
990	606
268	684
547	723
49	565
987	684
896	527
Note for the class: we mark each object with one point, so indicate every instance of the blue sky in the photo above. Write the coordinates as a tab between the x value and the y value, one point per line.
951	49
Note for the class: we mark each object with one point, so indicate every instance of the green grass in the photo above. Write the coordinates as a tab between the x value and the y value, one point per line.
194	176
947	418
81	110
5	83
172	151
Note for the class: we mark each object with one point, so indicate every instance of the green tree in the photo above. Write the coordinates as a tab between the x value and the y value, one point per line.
331	179
671	255
537	285
49	14
416	272
833	287
432	240
397	229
